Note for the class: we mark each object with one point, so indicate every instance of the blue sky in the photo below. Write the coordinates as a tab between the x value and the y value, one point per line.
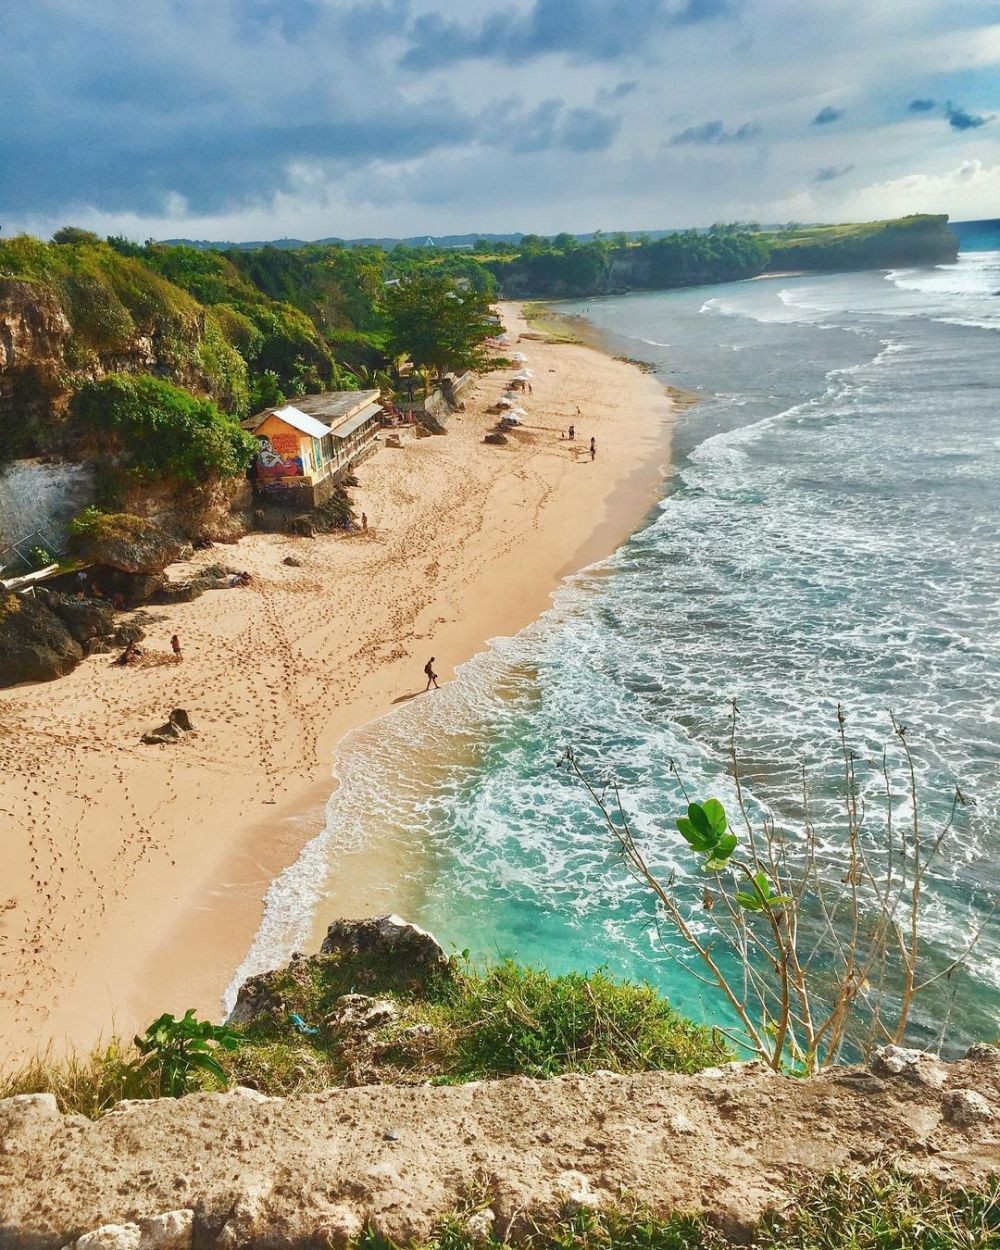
246	119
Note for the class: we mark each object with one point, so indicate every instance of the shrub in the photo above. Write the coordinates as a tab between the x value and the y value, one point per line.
160	430
174	1052
520	1020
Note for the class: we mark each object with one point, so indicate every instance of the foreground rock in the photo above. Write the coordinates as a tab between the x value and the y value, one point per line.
35	644
217	1170
385	949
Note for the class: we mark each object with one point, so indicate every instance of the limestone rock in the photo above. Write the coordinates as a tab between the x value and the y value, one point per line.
410	946
173	1230
340	1227
495	438
895	1060
133	545
966	1107
111	1237
292	562
479	1225
86	619
361	1012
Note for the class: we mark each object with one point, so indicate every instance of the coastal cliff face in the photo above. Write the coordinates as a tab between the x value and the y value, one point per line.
44	357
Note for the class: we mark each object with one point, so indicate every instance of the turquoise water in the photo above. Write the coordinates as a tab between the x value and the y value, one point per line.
828	534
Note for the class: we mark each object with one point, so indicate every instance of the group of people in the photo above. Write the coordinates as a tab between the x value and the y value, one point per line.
572	438
133	653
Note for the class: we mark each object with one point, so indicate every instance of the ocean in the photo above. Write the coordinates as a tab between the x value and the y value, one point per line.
828	535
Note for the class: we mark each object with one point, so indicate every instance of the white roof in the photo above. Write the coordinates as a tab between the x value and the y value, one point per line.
301	421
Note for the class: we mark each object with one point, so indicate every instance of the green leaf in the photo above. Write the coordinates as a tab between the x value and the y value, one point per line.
692	835
715	814
750	902
726	845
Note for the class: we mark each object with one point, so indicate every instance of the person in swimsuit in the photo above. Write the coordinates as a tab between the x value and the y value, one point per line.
431	675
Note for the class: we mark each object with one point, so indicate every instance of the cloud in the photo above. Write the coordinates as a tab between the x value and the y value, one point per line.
715	133
829	172
960	119
921	106
827	115
618	92
551	125
586	30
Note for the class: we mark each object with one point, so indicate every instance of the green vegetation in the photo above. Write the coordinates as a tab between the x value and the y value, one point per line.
459	1025
174	1050
158	430
249	328
877	1209
438	325
921	239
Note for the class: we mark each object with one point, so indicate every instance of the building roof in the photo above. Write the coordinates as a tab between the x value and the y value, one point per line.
301	421
356	421
317	415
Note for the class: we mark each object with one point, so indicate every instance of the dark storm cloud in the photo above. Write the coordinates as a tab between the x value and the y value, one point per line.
715	133
922	106
961	119
126	115
827	115
829	172
589	30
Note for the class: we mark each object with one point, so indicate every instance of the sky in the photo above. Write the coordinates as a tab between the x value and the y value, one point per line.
262	119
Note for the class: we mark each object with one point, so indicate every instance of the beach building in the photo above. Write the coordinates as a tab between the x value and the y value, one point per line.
307	447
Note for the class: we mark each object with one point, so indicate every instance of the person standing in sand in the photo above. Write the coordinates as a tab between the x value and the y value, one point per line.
431	675
364	521
593	448
175	646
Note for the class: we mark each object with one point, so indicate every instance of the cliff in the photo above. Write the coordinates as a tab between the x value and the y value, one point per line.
922	239
242	1169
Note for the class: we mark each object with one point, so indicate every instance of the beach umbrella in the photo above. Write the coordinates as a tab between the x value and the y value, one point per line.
505	401
523	375
517	412
519	357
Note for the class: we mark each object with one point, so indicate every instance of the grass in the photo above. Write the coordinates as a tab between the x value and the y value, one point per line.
544	320
457	1026
878	1209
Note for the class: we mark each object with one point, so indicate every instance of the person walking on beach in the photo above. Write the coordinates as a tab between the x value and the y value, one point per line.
364	521
431	675
572	432
593	448
175	644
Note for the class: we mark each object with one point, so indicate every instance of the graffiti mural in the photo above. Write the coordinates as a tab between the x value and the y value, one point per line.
278	456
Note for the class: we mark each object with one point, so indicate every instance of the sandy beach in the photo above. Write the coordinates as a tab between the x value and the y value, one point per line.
132	876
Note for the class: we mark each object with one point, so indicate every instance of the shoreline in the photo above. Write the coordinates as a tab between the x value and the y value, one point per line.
157	859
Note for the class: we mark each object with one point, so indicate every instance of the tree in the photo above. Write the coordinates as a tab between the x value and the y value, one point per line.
75	234
438	326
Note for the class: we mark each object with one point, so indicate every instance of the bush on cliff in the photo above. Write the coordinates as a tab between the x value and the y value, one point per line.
455	1026
158	430
446	1026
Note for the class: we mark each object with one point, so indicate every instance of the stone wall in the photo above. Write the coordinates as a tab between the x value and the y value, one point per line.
38	496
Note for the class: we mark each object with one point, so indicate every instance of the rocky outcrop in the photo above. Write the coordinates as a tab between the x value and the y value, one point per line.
385	951
413	951
86	619
46	636
178	724
132	544
35	644
243	1170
